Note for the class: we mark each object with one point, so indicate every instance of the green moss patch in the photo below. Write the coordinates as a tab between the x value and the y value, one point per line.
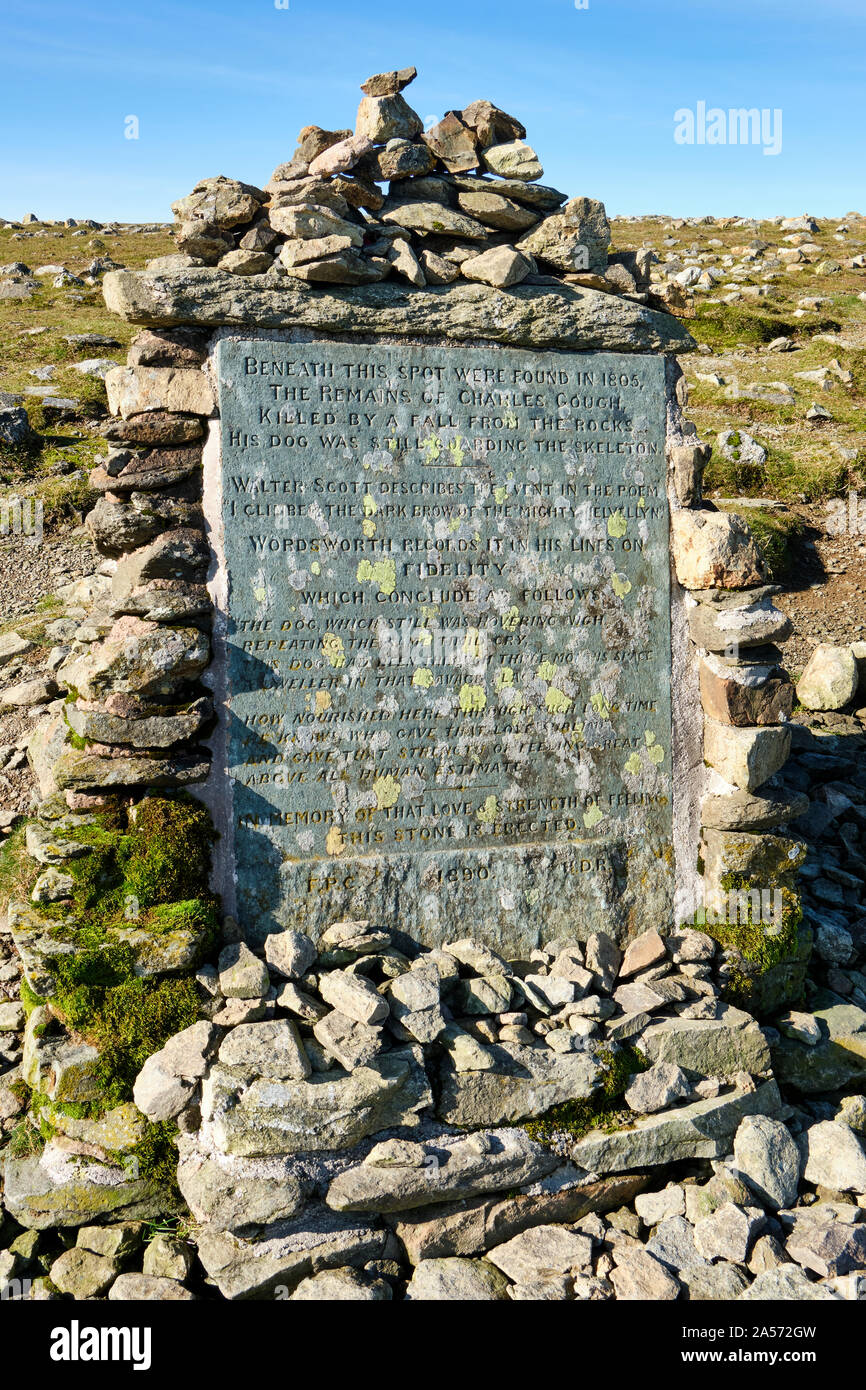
125	1017
604	1110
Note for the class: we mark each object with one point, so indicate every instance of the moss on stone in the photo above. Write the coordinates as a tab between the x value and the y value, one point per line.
603	1110
125	1017
767	969
156	1155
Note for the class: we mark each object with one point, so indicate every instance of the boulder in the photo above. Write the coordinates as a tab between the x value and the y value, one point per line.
384	118
574	240
657	1089
166	1081
136	390
138	658
290	953
566	318
524	1082
399	1175
276	1262
834	1157
728	1233
242	974
829	1250
331	1110
744	695
266	1049
501	266
768	1159
709	1047
714	550
746	758
140	1288
514	159
786	1282
723	627
341	1286
354	996
458	1280
838	1059
237	1194
703	1129
60	1188
82	1274
830	678
640	1277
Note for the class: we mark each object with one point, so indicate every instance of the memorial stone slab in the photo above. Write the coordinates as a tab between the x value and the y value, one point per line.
445	639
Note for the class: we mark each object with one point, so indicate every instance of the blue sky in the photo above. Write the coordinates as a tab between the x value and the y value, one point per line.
224	86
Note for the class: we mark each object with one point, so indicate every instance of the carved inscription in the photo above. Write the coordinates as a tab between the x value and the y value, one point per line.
448	608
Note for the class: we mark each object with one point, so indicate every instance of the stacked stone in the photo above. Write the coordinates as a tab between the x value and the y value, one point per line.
137	707
463	201
747	699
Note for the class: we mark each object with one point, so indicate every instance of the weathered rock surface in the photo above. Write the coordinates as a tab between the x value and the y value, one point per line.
526	1081
767	1157
286	1253
703	1129
398	1175
714	550
566	318
458	1280
59	1188
332	1110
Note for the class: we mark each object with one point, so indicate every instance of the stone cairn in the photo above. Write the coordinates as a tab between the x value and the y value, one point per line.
361	1117
463	201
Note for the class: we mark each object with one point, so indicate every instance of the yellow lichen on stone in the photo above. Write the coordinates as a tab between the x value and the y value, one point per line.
511	619
423	678
556	701
386	791
432	446
333	650
617	525
487	812
621	585
592	817
383	573
334	842
546	671
473	699
323	701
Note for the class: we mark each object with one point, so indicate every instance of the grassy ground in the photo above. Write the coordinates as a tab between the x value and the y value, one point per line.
805	461
55	468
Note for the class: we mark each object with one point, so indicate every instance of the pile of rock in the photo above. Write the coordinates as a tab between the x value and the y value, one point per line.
747	699
463	200
353	1126
112	1261
136	661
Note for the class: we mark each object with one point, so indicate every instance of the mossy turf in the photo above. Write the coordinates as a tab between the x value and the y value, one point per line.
148	867
139	863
